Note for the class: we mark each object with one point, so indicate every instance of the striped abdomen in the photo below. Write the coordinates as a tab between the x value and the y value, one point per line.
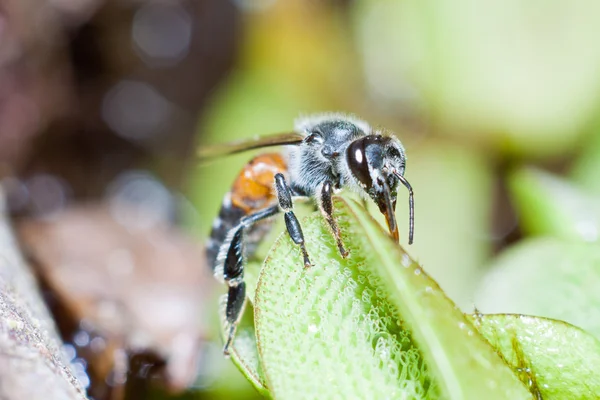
252	191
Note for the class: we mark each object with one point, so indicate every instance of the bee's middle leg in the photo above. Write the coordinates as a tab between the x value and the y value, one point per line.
284	195
326	207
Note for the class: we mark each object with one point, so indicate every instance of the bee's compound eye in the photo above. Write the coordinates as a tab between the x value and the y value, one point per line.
357	161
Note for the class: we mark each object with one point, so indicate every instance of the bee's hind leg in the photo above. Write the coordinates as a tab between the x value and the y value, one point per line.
326	207
284	195
233	272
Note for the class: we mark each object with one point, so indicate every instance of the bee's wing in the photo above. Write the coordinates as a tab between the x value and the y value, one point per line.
212	151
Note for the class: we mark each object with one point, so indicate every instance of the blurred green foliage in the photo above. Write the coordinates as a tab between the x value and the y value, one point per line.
516	75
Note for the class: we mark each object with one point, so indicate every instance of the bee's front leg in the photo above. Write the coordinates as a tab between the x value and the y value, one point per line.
326	206
284	195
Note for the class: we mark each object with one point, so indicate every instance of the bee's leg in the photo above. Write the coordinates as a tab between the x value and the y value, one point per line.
233	271
326	207
284	195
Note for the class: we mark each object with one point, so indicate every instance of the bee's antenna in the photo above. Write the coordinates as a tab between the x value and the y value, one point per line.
411	204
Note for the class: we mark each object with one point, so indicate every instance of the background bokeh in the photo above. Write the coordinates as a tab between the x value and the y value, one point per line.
104	102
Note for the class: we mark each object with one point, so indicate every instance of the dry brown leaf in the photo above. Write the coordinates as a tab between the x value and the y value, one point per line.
142	290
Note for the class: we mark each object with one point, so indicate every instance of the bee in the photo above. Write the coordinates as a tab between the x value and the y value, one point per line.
324	154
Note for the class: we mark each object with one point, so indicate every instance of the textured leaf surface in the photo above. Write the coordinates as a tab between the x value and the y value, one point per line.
554	359
546	277
340	329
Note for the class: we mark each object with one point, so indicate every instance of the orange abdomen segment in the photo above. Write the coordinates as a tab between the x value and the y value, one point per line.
253	189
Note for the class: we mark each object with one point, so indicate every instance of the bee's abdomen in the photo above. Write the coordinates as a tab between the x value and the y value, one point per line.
252	191
229	217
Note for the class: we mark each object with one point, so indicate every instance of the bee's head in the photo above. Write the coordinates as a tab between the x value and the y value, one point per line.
377	163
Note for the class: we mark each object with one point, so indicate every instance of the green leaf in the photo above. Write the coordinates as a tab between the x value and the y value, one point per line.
251	272
548	205
350	328
546	277
555	359
244	353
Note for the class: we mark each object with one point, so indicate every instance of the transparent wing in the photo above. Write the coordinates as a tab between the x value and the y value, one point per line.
212	151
